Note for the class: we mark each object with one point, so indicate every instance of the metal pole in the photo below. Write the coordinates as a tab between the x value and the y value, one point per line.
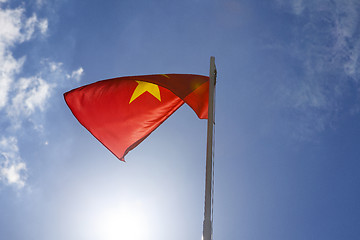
207	225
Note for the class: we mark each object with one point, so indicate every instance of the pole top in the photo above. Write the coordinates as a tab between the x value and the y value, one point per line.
213	70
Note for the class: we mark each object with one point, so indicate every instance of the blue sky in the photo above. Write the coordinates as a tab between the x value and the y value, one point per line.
287	120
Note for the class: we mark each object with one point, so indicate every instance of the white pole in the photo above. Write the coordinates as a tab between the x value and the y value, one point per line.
207	225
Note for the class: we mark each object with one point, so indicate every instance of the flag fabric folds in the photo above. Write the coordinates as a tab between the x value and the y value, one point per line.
122	112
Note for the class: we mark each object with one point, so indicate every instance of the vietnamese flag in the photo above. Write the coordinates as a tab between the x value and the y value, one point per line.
122	112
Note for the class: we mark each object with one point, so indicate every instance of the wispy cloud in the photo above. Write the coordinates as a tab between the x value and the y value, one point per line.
12	168
325	43
76	75
14	29
28	96
293	6
22	98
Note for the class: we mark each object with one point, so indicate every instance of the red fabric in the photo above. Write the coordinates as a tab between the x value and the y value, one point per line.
105	110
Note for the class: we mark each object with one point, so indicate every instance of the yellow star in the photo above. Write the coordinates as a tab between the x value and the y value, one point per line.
142	87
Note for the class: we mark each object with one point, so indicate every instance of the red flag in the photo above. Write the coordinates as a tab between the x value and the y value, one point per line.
122	112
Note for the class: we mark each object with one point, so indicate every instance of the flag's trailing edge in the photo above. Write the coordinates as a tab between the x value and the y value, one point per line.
122	112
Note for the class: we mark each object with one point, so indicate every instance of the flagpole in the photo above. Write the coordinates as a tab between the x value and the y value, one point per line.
208	218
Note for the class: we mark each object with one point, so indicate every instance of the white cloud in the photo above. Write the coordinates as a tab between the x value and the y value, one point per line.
33	24
14	29
43	25
12	168
29	28
30	94
9	66
10	26
23	98
55	66
12	173
76	75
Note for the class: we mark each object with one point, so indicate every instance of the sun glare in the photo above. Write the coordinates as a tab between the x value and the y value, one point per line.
127	222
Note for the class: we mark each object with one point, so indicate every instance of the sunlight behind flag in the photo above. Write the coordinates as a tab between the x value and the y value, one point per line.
130	222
